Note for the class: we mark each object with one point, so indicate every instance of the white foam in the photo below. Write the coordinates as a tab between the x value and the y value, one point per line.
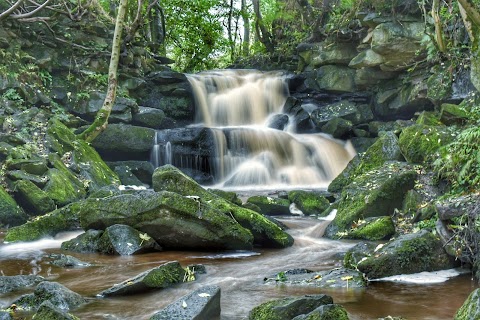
425	277
330	216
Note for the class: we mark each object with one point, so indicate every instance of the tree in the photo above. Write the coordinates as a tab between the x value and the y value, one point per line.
101	120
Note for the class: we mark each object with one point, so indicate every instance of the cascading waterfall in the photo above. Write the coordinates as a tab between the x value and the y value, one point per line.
237	106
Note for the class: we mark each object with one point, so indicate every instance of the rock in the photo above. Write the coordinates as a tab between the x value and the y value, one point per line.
419	143
172	220
5	315
326	312
227	195
32	198
288	308
86	242
332	78
310	203
386	148
203	303
13	283
126	140
265	232
409	253
337	128
429	118
66	261
149	117
121	111
142	170
83	158
366	59
127	177
48	225
160	277
452	114
374	194
47	311
367	77
335	278
58	295
124	240
271	206
10	213
470	308
373	229
355	254
456	206
32	166
278	121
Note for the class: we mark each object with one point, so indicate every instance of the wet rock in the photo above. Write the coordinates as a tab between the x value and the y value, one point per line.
160	277
409	253
288	308
67	261
86	242
373	229
10	213
456	206
5	315
142	170
470	308
203	303
124	240
12	283
265	232
278	121
326	312
310	203
355	254
374	194
335	278
149	117
271	206
47	311
332	78
344	110
338	128
58	295
227	195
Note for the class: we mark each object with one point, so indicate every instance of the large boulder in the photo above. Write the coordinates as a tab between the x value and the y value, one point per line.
332	78
86	242
47	311
149	117
174	221
409	253
125	240
265	232
157	278
373	229
270	205
310	203
471	307
32	198
313	56
203	303
374	194
10	213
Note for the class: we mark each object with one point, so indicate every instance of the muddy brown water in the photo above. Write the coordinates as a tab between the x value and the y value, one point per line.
240	276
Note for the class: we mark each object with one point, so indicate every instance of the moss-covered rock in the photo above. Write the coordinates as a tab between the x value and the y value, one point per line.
174	221
271	206
288	308
32	198
227	195
310	203
265	232
373	229
386	148
10	213
47	311
410	253
48	225
124	138
374	194
160	277
420	142
83	158
125	240
334	278
326	312
429	118
452	114
470	310
13	283
86	242
355	254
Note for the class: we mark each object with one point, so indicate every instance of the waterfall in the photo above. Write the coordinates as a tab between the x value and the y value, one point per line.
237	108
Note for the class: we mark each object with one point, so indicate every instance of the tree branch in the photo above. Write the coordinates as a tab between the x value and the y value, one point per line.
7	13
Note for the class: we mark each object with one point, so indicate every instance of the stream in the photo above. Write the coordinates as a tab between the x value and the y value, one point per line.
239	274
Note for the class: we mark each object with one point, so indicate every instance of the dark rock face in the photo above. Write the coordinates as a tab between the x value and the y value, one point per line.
12	283
203	303
124	240
157	278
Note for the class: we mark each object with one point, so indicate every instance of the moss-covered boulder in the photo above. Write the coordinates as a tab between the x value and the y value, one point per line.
172	220
429	118
125	240
80	156
288	308
265	232
271	206
420	142
86	242
376	193
13	283
57	294
356	253
326	312
47	311
409	253
33	199
386	148
373	229
310	203
470	310
452	114
332	78
157	278
48	225
10	213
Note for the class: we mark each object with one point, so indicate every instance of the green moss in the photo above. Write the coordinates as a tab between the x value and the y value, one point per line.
165	275
429	118
32	198
470	310
374	229
309	202
328	312
10	213
270	205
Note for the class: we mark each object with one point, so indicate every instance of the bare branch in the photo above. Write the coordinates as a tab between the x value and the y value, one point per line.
7	13
31	13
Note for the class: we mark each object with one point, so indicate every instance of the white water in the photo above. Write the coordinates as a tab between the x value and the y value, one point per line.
237	105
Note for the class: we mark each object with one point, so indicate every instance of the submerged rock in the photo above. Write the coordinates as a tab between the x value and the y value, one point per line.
66	261
160	277
288	308
335	278
203	303
13	283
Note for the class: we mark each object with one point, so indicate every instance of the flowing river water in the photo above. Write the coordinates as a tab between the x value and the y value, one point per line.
240	276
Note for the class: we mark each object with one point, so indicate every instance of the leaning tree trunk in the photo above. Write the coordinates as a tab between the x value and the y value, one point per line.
101	119
471	18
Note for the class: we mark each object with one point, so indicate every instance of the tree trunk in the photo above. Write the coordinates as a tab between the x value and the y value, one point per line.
246	29
471	19
438	26
262	33
101	119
